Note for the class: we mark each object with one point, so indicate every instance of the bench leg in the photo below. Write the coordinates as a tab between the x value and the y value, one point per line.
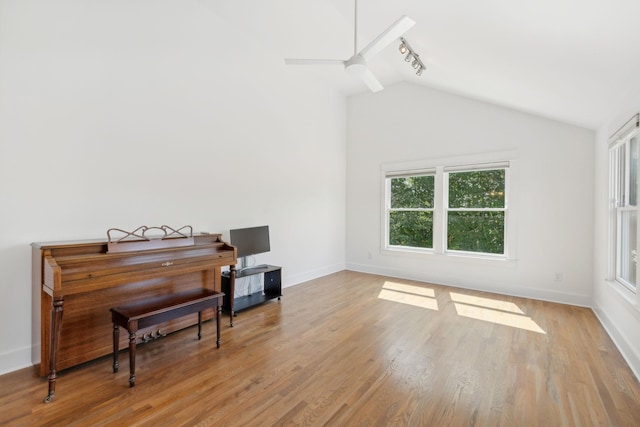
199	325
132	359
218	315
116	341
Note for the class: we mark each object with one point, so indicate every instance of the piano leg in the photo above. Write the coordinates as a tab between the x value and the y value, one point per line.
56	324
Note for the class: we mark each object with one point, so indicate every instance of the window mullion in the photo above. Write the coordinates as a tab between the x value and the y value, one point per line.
635	259
439	216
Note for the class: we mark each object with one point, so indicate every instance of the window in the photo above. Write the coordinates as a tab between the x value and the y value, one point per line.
448	209
623	168
410	212
476	211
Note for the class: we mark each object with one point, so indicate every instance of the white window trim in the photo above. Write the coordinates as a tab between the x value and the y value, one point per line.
387	206
484	161
446	209
626	132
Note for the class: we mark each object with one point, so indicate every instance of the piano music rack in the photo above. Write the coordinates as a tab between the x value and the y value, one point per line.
139	240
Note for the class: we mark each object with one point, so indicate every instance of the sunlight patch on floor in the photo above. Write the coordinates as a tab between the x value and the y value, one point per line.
410	289
417	296
499	317
486	302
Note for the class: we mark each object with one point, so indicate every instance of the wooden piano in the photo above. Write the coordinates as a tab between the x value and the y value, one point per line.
81	280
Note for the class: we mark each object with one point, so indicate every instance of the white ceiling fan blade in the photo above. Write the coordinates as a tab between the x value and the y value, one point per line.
371	81
398	28
363	72
295	61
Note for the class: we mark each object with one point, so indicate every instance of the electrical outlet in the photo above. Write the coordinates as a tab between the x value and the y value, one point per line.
557	277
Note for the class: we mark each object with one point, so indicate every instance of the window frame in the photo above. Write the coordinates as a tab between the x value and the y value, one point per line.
620	176
459	163
446	208
389	209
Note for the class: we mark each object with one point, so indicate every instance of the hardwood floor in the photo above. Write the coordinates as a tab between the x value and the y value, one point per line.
354	349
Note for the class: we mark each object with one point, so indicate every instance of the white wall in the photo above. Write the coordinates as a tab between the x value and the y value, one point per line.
128	113
554	200
617	309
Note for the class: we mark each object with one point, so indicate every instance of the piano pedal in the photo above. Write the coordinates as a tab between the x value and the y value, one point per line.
152	336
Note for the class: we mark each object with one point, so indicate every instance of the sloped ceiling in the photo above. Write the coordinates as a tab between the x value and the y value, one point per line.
570	60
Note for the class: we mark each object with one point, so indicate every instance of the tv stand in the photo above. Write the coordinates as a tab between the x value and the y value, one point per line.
254	269
272	287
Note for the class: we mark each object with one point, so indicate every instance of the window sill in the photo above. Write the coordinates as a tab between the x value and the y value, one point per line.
463	254
628	295
453	257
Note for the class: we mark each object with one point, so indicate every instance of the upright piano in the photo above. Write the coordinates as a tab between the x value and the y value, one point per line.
78	281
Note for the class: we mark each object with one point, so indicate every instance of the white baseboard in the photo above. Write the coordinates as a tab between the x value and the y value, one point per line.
15	359
296	279
516	291
628	353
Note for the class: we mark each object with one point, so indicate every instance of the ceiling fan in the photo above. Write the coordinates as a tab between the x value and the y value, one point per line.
357	64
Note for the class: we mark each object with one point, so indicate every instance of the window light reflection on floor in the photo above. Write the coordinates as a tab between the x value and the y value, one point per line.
486	302
410	289
417	296
485	309
494	311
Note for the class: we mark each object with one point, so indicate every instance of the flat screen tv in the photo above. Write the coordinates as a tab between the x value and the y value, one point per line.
250	241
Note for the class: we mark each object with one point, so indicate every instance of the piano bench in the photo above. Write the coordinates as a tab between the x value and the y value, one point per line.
154	310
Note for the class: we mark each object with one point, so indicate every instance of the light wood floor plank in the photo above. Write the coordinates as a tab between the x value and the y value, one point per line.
354	349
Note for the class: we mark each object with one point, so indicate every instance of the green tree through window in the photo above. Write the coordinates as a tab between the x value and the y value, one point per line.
476	211
469	205
411	211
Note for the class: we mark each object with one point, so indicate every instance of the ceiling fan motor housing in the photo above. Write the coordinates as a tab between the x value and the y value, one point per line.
356	65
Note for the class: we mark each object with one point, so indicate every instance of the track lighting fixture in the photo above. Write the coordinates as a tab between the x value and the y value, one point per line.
411	57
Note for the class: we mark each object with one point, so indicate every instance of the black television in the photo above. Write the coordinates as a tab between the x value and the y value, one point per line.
250	241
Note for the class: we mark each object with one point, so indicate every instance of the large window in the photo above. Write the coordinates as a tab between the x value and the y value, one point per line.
624	213
453	209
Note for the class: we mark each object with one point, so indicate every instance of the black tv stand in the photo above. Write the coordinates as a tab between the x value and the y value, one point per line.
272	287
254	269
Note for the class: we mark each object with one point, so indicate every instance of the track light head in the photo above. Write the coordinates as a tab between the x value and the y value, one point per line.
411	56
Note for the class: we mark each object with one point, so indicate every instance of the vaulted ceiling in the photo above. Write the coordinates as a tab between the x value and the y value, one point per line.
570	60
